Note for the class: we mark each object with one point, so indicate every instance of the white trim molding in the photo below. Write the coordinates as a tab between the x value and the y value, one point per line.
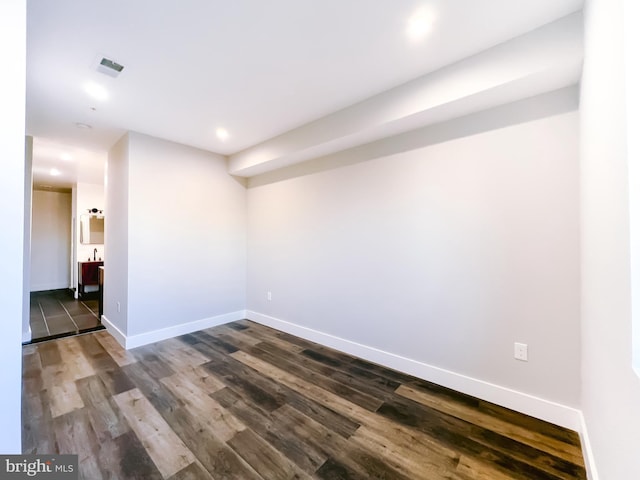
26	335
43	287
587	451
138	340
522	402
115	332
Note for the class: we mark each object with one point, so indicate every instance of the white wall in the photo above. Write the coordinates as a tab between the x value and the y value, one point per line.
610	388
632	110
26	268
116	238
12	149
186	237
50	240
445	255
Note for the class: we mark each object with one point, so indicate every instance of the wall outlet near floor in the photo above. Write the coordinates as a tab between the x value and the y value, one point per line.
118	305
520	351
269	296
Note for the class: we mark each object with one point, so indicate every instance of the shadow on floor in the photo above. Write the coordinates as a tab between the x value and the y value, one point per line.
56	313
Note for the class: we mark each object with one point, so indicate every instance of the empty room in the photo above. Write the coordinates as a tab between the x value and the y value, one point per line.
331	240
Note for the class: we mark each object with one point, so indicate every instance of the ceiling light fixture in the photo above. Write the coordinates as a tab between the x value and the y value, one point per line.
419	24
66	157
96	91
222	134
54	172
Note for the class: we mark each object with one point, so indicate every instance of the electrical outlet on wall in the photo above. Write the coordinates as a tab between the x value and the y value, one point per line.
520	351
269	296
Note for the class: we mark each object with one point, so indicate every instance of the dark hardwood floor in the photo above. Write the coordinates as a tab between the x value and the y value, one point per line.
246	402
56	313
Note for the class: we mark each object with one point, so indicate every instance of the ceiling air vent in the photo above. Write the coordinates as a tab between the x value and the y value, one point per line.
109	67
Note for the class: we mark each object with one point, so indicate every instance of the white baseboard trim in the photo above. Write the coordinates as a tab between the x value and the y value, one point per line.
26	335
115	332
522	402
589	460
49	286
133	341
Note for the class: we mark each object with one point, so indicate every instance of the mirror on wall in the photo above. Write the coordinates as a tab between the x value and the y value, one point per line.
91	229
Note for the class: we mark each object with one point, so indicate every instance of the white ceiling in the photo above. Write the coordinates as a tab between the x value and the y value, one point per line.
257	68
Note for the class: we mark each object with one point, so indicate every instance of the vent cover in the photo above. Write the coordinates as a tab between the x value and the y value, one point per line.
109	67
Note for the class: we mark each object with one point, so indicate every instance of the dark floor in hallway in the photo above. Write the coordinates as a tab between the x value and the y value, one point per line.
56	313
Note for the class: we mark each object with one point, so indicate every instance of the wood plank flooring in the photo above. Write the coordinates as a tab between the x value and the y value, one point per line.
246	402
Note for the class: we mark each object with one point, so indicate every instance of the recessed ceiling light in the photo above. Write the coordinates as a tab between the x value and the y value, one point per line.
96	91
54	172
419	24
66	157
222	133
